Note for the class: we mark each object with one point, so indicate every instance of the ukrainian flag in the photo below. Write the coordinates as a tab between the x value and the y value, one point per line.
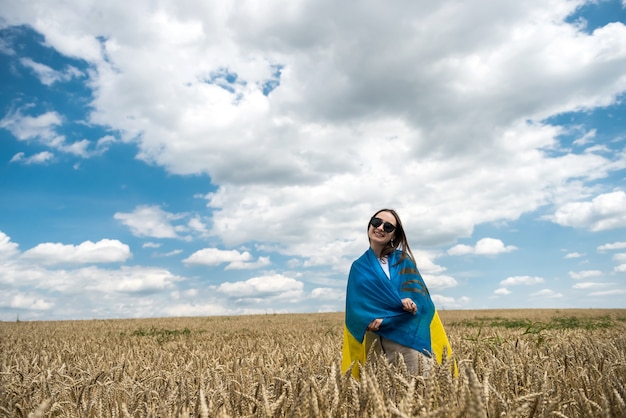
371	294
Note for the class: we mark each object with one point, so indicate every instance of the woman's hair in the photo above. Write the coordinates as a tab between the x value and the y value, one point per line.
399	241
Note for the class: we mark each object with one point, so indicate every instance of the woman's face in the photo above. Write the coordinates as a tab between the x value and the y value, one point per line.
378	237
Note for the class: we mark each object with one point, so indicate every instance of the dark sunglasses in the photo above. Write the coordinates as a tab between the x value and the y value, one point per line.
387	226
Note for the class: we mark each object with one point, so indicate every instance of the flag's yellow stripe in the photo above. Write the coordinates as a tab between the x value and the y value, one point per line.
353	353
439	341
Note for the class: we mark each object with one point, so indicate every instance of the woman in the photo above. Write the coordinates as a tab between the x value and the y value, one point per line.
387	296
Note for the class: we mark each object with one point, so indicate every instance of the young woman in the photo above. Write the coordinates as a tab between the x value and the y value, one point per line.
387	296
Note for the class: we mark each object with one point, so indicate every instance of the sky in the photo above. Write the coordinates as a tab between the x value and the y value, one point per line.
194	158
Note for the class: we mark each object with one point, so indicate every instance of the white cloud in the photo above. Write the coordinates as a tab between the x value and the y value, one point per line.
439	282
86	292
39	158
237	260
327	293
620	257
521	280
242	265
103	251
151	221
620	269
6	48
590	285
273	287
586	138
609	292
612	246
485	246
95	281
585	274
443	105
502	291
129	280
200	309
215	256
425	263
606	211
18	300
172	253
352	124
446	302
42	127
8	249
47	75
198	225
548	294
574	255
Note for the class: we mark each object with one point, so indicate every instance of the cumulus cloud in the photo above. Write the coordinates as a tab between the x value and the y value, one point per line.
43	129
590	285
547	294
620	257
243	265
229	92
152	222
272	287
199	226
328	293
574	255
47	75
586	138
8	249
215	256
608	293
447	302
612	246
521	280
236	260
19	300
198	309
43	292
502	291
606	211
95	280
26	127
103	251
39	158
439	282
485	246
130	280
255	96
426	264
585	274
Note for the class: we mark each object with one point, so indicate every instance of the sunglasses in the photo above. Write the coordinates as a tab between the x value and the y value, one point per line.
388	227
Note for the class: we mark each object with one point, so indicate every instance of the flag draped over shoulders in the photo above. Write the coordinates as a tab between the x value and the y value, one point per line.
371	294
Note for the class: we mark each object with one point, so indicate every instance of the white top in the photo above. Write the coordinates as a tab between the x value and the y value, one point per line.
385	265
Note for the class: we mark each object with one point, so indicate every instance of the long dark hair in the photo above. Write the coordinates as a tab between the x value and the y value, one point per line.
399	241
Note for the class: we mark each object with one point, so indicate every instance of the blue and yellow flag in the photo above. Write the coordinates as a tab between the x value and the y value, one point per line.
371	294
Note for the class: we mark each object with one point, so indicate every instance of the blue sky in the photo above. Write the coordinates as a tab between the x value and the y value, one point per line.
188	158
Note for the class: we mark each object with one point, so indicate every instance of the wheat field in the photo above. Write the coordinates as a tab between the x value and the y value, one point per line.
515	363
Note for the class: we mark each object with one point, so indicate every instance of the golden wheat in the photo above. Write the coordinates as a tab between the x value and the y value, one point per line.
288	365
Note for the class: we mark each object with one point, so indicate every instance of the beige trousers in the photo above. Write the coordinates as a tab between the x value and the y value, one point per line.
415	362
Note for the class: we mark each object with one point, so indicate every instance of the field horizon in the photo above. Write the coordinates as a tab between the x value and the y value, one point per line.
443	313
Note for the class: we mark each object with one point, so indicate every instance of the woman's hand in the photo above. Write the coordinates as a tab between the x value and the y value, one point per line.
409	306
375	324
